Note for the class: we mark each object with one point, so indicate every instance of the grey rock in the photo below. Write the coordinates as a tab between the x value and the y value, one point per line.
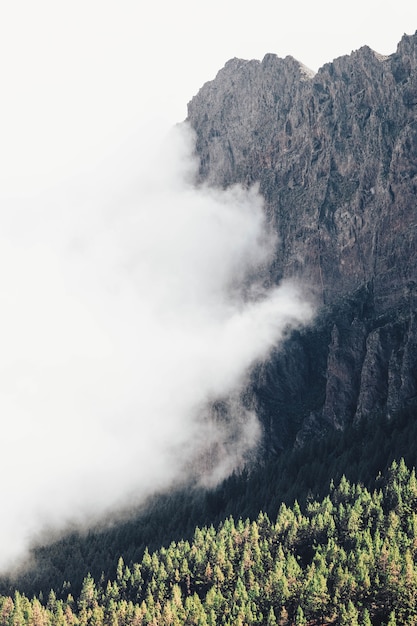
335	156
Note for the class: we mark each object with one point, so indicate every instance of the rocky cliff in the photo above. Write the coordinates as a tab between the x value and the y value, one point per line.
335	157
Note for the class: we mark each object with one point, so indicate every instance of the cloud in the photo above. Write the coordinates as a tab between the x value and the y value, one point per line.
131	301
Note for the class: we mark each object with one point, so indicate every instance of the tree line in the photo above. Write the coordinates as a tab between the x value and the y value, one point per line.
347	558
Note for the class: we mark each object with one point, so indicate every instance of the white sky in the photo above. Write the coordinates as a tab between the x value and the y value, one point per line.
77	76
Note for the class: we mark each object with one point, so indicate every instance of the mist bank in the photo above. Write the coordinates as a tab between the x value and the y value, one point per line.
131	300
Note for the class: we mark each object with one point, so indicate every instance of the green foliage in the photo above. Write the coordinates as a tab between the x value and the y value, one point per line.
300	619
348	559
360	454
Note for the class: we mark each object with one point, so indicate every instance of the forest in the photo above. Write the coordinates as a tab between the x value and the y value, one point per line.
278	544
349	558
108	266
360	453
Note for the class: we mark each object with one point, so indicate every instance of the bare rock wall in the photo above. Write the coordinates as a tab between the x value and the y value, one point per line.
335	157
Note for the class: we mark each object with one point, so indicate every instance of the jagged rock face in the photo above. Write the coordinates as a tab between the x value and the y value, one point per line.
335	156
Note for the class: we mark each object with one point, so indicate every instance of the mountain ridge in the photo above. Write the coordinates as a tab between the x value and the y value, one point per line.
351	379
335	157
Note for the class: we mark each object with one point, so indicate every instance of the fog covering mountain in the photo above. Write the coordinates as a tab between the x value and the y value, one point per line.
335	155
131	303
332	159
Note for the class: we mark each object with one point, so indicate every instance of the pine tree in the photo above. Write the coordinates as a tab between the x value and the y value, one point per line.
349	615
39	617
366	620
300	619
272	620
88	595
392	621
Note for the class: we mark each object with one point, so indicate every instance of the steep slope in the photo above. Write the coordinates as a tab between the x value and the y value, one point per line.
347	559
335	156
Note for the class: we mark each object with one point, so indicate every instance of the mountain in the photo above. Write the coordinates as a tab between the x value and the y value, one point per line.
335	157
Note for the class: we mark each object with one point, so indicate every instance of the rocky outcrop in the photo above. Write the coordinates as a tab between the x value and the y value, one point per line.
335	156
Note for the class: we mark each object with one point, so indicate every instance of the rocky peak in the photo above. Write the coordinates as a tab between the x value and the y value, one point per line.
235	113
334	153
335	156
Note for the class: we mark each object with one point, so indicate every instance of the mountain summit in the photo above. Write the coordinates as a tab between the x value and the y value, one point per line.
335	157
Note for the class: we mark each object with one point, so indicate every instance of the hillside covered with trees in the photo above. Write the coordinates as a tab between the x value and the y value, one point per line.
320	527
349	558
359	453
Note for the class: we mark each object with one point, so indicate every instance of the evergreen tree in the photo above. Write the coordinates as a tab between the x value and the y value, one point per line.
349	615
300	619
366	620
392	621
272	620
